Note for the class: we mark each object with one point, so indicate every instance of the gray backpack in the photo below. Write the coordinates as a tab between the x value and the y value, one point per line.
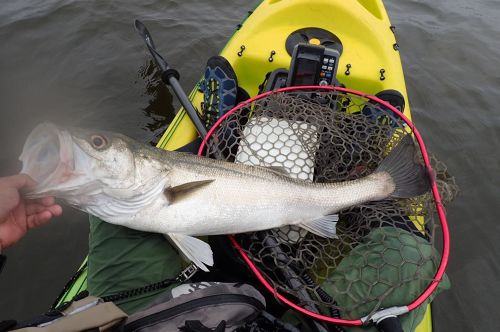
204	306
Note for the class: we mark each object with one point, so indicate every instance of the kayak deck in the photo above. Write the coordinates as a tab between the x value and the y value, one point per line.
368	47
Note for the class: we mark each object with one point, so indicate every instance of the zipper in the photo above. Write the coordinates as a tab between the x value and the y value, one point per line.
187	306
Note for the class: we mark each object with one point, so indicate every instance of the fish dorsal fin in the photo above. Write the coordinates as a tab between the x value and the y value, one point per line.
177	192
195	250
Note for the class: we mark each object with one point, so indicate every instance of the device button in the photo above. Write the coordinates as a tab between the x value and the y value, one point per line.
331	60
325	60
328	75
322	74
330	68
315	41
323	83
324	67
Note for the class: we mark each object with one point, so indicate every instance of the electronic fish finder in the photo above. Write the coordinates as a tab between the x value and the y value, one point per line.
310	65
313	65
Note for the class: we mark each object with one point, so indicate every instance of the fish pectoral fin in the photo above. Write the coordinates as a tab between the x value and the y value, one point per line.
177	192
195	250
325	226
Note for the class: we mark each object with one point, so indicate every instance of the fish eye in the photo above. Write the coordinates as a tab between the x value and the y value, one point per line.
98	141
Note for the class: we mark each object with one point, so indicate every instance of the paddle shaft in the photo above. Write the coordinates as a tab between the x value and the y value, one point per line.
171	77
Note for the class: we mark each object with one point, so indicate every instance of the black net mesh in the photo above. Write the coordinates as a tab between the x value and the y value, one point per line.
332	136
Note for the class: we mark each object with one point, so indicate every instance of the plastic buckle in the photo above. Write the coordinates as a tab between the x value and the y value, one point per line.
187	273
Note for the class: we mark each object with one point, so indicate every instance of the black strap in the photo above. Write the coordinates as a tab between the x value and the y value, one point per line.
3	259
185	274
138	291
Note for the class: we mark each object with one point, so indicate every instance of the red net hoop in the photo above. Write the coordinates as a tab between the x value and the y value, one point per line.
355	122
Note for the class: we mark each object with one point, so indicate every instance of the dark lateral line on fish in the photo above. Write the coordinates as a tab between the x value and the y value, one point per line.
211	166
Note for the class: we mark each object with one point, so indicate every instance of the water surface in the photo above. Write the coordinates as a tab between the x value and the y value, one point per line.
81	63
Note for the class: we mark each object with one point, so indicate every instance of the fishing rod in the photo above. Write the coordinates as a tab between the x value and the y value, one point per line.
170	77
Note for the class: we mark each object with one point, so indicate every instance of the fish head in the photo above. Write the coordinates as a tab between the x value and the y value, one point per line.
109	156
77	164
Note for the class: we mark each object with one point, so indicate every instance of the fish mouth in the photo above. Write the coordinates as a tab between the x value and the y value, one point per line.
47	157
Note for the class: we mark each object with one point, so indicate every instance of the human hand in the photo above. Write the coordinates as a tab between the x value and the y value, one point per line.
17	214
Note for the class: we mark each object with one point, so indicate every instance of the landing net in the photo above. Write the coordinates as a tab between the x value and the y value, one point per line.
325	134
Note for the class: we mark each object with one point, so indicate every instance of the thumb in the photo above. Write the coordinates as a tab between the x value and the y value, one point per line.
19	181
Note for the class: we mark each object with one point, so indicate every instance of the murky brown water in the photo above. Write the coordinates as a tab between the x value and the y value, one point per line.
81	63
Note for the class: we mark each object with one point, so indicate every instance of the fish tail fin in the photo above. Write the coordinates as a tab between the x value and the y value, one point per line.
409	177
195	250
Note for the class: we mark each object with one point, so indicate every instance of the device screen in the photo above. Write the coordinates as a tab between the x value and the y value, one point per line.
306	72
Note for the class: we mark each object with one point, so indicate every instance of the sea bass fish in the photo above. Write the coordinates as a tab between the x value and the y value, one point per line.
182	195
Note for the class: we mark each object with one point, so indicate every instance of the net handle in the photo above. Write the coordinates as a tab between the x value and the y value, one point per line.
437	200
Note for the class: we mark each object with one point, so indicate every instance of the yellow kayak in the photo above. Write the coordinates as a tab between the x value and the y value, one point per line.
370	60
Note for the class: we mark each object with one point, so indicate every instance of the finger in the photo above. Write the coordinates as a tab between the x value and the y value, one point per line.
39	219
32	209
19	181
47	201
55	209
37	205
43	217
